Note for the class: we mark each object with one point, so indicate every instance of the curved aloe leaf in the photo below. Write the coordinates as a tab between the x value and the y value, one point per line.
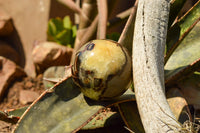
178	105
106	121
54	73
12	115
64	109
7	118
175	8
184	57
190	89
180	29
99	120
16	112
130	115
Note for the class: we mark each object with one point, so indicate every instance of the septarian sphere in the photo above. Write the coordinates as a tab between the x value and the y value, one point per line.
102	69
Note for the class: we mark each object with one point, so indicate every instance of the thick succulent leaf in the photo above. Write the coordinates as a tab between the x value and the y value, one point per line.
190	89
180	29
130	115
12	115
106	121
16	112
53	75
175	8
64	109
184	56
99	120
178	105
8	118
114	124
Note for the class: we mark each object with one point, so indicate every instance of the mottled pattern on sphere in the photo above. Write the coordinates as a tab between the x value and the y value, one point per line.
102	69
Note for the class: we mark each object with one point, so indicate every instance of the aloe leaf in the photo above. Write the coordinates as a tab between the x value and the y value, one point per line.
12	115
64	109
99	120
183	73
130	115
178	105
114	124
190	89
184	56
175	8
16	112
106	121
53	75
8	118
180	29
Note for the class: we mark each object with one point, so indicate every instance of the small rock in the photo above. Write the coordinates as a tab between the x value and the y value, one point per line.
9	72
46	54
28	84
6	26
27	96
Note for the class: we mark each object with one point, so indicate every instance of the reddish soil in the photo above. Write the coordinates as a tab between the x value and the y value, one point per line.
11	99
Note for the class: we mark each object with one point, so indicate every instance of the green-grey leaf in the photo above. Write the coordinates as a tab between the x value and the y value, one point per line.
178	104
111	123
185	54
130	114
53	75
105	120
190	88
63	110
180	29
175	8
12	115
17	112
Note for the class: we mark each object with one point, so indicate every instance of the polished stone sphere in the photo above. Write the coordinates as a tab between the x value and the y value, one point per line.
102	69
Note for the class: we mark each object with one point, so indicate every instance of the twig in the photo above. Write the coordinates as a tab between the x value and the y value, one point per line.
91	30
119	17
89	9
103	14
126	37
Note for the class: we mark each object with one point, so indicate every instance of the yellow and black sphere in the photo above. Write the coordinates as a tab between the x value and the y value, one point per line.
102	69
